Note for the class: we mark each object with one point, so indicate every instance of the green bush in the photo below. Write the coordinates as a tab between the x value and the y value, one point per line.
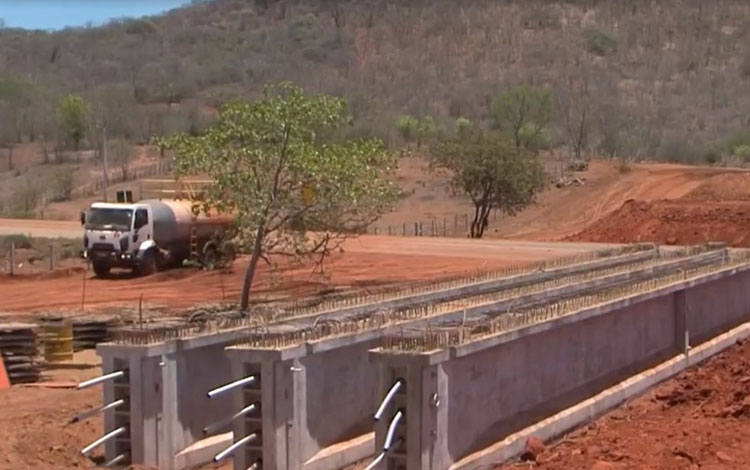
676	150
408	127
712	155
20	240
599	42
742	152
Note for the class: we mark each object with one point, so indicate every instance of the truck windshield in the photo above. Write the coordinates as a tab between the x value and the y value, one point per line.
109	219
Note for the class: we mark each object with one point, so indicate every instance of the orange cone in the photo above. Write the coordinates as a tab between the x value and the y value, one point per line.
4	380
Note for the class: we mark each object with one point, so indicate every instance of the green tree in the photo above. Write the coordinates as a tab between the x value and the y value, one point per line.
523	113
492	172
426	130
72	118
408	127
293	193
464	127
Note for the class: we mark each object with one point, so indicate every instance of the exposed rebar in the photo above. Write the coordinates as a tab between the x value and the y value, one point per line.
221	455
230	386
100	379
111	435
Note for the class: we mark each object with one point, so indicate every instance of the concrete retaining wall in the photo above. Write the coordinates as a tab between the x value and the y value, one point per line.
503	389
470	397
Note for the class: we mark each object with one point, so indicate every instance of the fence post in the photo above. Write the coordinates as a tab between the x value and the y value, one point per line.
12	258
416	230
51	258
455	224
445	228
466	222
404	228
421	230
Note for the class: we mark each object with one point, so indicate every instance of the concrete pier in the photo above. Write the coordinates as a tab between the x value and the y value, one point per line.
315	386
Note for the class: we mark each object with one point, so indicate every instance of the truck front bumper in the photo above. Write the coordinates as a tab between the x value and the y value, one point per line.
113	258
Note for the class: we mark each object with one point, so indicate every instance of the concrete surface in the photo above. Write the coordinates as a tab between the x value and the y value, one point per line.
462	401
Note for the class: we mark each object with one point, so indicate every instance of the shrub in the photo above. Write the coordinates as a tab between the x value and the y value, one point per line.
62	185
18	239
742	152
599	42
712	155
408	127
463	127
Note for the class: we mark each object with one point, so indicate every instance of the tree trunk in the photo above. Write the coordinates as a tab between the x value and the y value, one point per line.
475	221
250	273
483	220
10	158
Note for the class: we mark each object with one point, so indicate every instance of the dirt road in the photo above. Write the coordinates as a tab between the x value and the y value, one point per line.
41	228
365	261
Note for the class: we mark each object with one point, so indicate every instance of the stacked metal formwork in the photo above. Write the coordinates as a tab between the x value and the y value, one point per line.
19	351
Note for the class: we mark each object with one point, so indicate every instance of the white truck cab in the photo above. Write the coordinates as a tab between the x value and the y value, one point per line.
119	235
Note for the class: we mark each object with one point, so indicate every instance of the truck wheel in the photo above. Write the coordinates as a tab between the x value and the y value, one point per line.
148	264
210	257
101	269
228	252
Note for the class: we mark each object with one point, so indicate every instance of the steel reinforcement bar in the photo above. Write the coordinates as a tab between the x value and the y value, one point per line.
598	260
431	340
411	320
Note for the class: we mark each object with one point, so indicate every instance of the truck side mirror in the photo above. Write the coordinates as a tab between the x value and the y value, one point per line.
83	217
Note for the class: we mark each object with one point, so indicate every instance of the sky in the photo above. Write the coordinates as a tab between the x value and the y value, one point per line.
57	14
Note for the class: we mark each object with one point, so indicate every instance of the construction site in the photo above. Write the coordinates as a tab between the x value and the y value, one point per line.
415	353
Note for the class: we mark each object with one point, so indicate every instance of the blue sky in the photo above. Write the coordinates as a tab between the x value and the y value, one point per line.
57	14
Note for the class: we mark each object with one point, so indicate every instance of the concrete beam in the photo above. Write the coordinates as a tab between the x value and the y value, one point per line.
599	404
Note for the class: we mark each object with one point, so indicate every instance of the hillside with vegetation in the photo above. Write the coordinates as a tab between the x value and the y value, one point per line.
668	80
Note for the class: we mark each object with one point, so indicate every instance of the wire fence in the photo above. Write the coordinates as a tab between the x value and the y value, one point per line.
43	258
455	225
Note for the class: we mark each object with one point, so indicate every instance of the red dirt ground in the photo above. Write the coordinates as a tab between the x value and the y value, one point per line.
716	210
367	261
698	420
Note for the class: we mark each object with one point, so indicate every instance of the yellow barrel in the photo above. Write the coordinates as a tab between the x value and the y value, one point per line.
58	341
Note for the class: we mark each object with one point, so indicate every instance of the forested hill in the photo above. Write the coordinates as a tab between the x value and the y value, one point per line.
659	77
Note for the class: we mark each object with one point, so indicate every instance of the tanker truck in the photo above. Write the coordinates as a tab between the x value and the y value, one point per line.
151	235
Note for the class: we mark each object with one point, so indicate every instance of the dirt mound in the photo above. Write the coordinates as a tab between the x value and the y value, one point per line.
681	222
723	187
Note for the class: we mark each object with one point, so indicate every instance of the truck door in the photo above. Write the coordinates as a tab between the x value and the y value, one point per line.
142	228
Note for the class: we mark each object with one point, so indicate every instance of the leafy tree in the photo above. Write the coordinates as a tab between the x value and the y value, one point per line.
293	193
408	127
464	127
492	172
523	113
72	117
426	130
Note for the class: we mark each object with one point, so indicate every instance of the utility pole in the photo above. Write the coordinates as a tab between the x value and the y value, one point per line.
105	170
